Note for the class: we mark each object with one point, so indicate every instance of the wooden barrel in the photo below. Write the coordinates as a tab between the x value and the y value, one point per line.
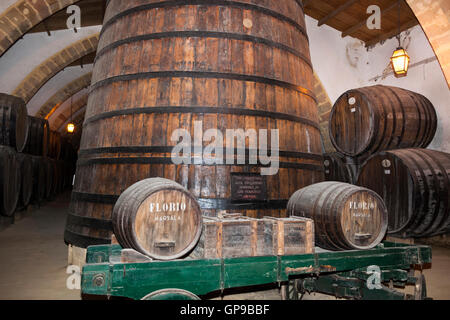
38	137
415	186
13	120
163	66
159	218
39	180
55	177
49	178
345	216
368	120
61	178
9	181
54	149
337	169
26	188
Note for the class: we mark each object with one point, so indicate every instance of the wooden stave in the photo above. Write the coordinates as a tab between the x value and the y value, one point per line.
39	179
323	203
26	189
439	223
338	169
48	166
13	115
383	137
131	199
38	137
10	178
314	177
54	145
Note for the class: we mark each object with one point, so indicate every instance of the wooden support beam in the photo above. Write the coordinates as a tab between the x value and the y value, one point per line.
362	23
336	11
392	33
306	2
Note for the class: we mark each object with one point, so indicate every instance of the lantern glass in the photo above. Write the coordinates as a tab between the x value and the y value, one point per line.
70	128
400	62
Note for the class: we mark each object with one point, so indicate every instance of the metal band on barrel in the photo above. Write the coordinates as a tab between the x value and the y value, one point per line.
225	3
204	34
205	204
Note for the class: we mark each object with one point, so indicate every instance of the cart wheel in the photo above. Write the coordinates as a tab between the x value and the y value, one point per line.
289	290
171	294
420	289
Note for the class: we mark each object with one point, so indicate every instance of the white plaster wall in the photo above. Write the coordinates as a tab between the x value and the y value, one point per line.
55	84
335	70
32	50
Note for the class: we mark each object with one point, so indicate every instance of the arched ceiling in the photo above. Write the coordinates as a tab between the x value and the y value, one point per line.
63	94
21	16
63	115
77	119
50	67
434	17
55	84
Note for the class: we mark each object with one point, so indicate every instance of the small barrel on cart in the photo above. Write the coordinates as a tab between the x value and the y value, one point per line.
345	216
159	218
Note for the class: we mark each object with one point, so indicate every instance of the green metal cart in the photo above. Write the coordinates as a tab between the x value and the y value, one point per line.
345	274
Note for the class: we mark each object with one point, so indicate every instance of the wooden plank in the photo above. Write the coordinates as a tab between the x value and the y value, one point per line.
338	10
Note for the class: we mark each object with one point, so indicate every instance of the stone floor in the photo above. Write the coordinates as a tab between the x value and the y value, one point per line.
33	261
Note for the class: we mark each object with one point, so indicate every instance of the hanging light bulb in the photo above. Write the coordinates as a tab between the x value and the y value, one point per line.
400	62
400	58
70	125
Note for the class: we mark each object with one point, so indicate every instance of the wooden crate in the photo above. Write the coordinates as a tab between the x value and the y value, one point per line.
238	236
287	236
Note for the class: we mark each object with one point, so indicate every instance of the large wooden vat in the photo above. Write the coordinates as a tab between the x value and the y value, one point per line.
13	120
368	120
165	65
159	218
26	185
38	137
9	181
415	186
345	216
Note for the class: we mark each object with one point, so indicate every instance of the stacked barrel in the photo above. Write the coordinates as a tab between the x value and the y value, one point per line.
32	166
380	134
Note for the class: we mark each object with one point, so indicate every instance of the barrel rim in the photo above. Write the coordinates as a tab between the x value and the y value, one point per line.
384	224
368	141
229	3
393	153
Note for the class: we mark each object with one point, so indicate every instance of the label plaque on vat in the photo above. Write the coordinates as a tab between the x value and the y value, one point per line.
248	187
